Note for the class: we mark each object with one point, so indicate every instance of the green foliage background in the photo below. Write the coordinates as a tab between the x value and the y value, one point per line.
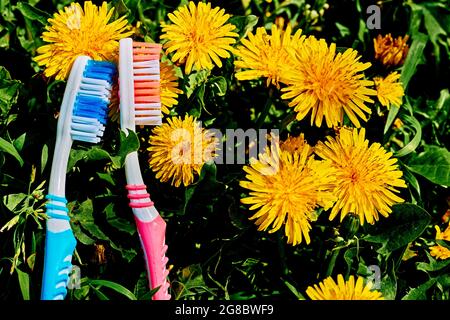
215	252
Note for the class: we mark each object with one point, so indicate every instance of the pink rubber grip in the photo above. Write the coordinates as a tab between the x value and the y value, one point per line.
153	242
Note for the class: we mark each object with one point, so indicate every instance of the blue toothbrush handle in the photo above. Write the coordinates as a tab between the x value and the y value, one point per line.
59	248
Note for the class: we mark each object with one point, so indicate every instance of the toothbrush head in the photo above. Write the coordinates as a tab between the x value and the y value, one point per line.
139	83
86	98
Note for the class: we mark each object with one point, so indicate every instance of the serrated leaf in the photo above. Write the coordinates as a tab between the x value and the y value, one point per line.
127	254
244	24
9	91
405	224
129	142
81	236
196	80
433	264
419	293
83	214
389	284
117	222
433	164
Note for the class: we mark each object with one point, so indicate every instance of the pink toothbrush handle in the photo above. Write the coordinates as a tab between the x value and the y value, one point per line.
152	236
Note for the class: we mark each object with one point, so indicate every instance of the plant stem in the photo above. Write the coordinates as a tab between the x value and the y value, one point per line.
263	114
282	252
332	262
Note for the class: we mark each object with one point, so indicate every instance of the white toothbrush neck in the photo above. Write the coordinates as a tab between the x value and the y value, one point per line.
57	185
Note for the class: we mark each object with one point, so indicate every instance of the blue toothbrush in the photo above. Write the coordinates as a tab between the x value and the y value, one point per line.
82	117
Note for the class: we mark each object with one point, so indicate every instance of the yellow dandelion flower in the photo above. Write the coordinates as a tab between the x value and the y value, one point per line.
398	123
295	144
199	36
327	84
73	32
113	107
263	55
439	251
391	52
389	90
366	176
286	188
179	149
169	87
328	289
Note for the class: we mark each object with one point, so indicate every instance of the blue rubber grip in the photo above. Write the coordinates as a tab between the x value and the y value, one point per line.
59	248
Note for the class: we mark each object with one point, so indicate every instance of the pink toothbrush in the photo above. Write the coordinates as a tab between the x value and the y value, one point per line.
140	104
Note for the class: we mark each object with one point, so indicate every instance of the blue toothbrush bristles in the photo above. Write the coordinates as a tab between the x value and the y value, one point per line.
91	104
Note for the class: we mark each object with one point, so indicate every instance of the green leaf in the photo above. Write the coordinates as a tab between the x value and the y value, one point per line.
141	288
244	24
343	30
435	32
84	216
114	286
433	164
292	288
415	142
127	254
433	264
129	142
389	284
95	154
44	157
188	194
81	236
106	177
24	284
218	85
393	111
196	80
9	91
405	224
11	201
100	295
419	293
33	13
206	186
75	156
191	280
8	147
19	142
413	59
410	178
117	222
